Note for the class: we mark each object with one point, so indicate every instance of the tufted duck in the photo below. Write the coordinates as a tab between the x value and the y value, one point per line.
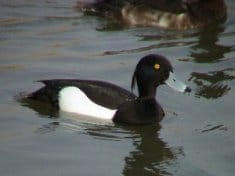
108	101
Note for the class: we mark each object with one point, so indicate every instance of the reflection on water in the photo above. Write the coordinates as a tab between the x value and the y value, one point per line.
44	110
161	39
48	128
147	48
212	84
208	50
149	155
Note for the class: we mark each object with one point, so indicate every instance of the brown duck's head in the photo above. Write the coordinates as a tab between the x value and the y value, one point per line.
206	11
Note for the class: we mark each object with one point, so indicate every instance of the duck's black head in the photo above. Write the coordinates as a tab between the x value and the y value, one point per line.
152	71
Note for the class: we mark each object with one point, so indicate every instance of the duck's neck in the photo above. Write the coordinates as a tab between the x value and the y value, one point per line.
147	91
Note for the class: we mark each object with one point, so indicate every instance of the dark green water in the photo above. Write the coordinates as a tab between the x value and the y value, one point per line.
48	39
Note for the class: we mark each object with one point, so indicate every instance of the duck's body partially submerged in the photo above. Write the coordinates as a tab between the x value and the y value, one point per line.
108	101
176	14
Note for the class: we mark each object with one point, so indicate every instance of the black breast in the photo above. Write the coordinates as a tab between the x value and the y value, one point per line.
139	112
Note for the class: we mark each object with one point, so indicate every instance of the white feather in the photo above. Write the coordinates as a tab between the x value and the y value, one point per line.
72	99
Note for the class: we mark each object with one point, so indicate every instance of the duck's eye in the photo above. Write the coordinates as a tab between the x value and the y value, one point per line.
156	66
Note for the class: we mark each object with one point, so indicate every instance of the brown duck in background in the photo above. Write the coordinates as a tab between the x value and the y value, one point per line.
169	14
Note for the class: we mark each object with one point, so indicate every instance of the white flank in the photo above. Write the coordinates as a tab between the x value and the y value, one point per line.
72	99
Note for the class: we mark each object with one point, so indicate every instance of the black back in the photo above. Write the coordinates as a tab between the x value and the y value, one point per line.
102	93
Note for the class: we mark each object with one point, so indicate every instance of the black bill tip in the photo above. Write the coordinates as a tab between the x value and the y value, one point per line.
188	89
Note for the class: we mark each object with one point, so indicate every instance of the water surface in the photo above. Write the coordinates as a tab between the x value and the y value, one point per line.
48	39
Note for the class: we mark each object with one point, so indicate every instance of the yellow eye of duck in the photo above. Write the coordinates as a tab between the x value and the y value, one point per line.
156	66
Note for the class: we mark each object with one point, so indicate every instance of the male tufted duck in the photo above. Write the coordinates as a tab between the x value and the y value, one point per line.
169	14
108	101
